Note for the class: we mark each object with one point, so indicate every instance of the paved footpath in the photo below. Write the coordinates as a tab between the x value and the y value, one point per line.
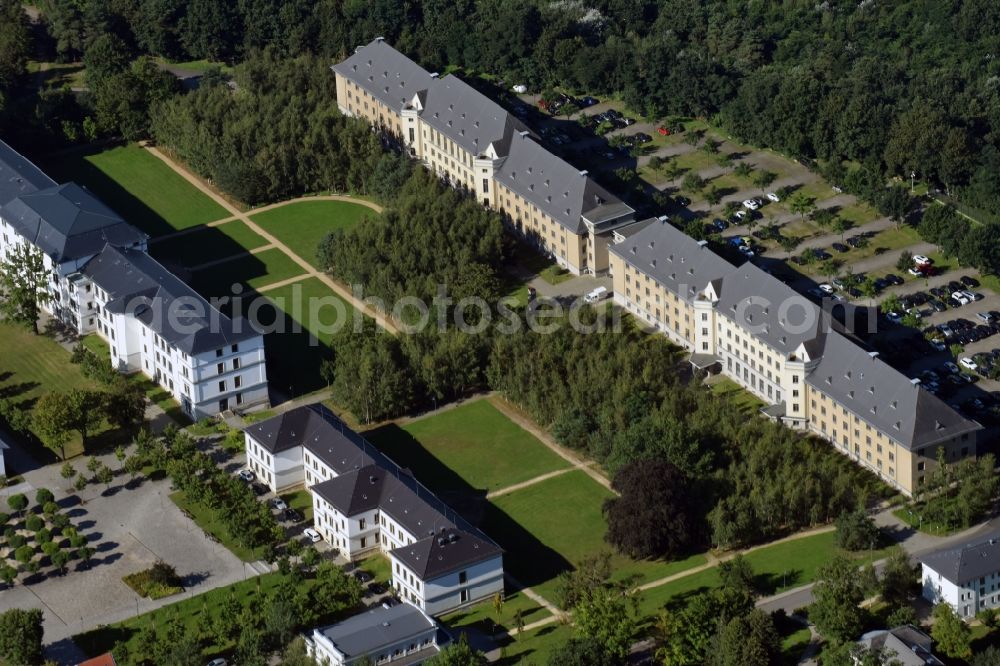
310	270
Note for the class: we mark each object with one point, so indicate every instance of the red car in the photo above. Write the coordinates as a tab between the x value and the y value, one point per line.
662	131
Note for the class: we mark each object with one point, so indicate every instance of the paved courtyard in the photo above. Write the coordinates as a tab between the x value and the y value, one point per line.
129	529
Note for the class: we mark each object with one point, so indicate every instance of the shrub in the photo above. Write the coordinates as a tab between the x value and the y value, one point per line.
43	496
34	523
43	536
15	541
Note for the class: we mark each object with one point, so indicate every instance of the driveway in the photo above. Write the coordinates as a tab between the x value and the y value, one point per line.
130	529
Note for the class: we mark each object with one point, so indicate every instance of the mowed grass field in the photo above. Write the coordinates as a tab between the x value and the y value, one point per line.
33	365
470	447
316	308
251	270
549	527
139	187
302	225
207	244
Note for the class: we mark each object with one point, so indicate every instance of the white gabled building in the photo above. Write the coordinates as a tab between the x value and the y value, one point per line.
965	577
104	282
363	504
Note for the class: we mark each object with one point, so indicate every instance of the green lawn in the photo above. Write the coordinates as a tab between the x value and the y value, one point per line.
35	365
484	614
313	305
208	520
473	446
741	397
534	647
777	568
139	187
301	501
207	244
379	567
549	527
301	226
253	270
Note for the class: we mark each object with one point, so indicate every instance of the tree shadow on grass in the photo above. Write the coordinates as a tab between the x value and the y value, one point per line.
196	248
769	583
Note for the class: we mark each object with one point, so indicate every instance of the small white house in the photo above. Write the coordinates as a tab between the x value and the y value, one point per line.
383	635
965	577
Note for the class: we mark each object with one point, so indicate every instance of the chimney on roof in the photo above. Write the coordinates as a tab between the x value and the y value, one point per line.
523	133
584	173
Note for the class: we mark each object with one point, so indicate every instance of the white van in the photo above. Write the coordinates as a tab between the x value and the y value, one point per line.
596	295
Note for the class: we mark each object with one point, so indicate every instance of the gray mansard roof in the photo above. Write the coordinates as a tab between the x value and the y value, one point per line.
385	73
469	118
558	188
779	316
18	176
139	286
374	487
319	430
449	550
880	395
673	259
67	222
967	562
380	628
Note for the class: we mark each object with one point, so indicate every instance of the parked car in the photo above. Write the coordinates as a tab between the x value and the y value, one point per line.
921	260
292	516
961	298
937	306
389	602
259	488
840	247
969	281
587	100
278	504
951	367
362	576
771	196
826	288
751	204
682	201
823	255
311	534
894	279
973	295
218	662
663	131
720	224
985	316
520	88
247	476
967	362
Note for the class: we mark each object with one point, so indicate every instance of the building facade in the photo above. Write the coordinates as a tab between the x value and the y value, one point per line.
104	282
398	634
475	145
365	504
965	577
785	350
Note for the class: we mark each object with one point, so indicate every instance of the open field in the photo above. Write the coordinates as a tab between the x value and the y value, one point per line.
549	527
41	365
137	186
302	225
469	447
295	300
252	270
207	244
776	568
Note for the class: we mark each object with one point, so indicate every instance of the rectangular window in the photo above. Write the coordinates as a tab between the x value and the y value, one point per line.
222	385
237	381
236	364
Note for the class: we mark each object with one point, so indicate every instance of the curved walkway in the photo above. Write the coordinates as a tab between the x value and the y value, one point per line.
236	214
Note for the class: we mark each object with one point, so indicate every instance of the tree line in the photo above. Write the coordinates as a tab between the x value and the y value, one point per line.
898	87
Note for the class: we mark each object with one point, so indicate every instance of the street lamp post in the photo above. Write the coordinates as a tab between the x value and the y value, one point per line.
913	174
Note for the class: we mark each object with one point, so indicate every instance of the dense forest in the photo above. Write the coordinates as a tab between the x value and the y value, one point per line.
893	86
